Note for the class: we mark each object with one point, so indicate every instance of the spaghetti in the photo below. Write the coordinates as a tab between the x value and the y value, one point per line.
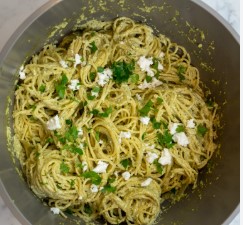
111	122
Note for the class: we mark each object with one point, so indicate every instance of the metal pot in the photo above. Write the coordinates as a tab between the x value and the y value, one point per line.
214	49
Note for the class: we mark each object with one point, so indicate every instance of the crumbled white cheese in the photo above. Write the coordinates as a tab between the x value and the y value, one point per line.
75	84
22	73
55	210
139	98
153	84
145	120
77	59
161	55
172	127
150	146
93	93
53	123
63	64
190	123
146	182
181	139
144	64
80	131
151	156
94	188
81	145
101	167
104	77
124	135
166	157
85	166
80	197
160	66
126	175
101	142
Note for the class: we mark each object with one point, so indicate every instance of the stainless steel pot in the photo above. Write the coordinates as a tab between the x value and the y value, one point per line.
214	49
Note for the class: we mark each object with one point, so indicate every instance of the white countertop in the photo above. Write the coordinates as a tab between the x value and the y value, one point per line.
14	12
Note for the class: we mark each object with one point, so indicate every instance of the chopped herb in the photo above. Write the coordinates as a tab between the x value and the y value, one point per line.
97	135
91	97
93	47
96	89
126	163
64	168
165	125
181	72
158	166
33	107
111	180
37	154
156	125
100	69
179	129
69	122
95	177
108	188
49	140
61	87
60	138
165	140
143	135
122	71
159	100
87	209
155	66
72	133
72	182
42	88
95	112
92	76
74	149
201	130
106	113
145	110
134	78
148	79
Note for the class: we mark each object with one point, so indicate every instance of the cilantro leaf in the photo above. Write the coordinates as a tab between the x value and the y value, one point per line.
92	76
148	79
95	112
71	182
159	100
108	188
179	129
72	133
145	110
106	113
96	89
49	140
126	163
42	88
181	72
143	135
95	177
158	166
122	71
165	140
93	47
64	168
100	69
90	97
134	78
68	122
201	130
61	87
156	125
